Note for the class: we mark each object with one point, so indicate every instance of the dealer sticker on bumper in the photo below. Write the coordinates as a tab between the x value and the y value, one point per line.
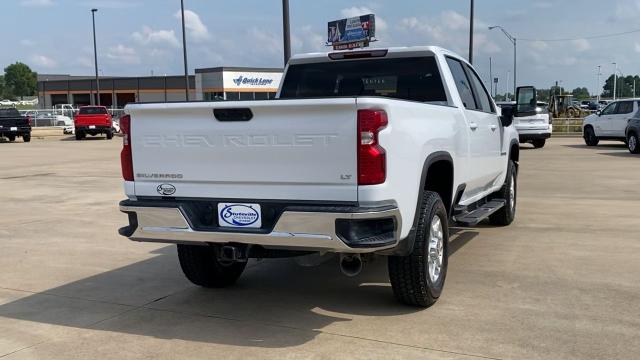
239	215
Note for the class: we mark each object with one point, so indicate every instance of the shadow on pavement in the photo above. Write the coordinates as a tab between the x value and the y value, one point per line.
88	138
620	145
626	154
297	301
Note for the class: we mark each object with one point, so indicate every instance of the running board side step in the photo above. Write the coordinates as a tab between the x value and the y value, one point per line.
474	217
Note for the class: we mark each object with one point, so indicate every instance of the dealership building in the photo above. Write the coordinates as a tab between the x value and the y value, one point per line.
210	84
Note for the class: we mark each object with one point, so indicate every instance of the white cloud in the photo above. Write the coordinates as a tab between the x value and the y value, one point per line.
149	36
111	4
381	24
581	44
36	3
123	54
84	61
270	42
43	61
454	20
637	47
307	40
539	45
542	5
27	42
197	30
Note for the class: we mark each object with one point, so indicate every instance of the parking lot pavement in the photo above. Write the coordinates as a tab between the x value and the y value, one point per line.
561	282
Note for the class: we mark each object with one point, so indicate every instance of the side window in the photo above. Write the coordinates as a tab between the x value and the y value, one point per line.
462	83
480	91
625	107
610	109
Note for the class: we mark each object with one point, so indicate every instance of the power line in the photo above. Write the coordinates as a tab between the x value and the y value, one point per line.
602	36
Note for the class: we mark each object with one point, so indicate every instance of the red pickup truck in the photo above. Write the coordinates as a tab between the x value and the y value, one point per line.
93	120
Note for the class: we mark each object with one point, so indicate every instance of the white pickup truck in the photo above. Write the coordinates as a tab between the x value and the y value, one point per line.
362	153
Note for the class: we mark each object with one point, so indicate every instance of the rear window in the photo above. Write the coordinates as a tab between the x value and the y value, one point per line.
92	111
415	79
11	112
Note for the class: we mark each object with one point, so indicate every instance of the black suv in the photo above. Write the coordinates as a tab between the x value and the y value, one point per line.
633	134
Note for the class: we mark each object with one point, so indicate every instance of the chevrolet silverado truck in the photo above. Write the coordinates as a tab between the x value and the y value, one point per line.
93	120
363	153
13	124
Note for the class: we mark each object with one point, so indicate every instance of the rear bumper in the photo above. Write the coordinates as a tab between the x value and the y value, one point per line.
17	130
530	134
345	229
96	129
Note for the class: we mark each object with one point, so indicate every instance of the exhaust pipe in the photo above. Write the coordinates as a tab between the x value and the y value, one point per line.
350	264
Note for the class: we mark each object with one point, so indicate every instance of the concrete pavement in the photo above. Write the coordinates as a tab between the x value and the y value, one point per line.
561	282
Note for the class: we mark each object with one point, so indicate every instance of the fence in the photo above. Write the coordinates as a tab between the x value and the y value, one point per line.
59	117
567	125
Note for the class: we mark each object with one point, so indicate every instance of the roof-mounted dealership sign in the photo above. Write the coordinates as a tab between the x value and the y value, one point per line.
352	33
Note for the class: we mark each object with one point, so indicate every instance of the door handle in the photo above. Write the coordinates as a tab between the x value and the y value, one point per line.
473	126
493	127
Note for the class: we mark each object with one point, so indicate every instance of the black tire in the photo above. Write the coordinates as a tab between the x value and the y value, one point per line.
79	136
633	143
201	266
590	137
109	135
11	138
506	214
409	274
538	143
26	138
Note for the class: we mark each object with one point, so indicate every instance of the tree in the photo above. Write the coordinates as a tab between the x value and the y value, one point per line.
20	80
581	93
2	87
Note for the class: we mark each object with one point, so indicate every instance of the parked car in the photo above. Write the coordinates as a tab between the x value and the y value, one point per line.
633	134
13	125
610	123
365	152
584	104
93	120
593	106
534	126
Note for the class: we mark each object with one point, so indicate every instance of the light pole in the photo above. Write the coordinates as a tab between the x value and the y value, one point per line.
286	37
184	54
95	54
471	34
514	42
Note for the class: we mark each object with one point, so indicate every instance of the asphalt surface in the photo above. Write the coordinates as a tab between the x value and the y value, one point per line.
563	282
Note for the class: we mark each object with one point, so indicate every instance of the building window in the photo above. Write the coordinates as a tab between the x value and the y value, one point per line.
213	96
233	96
272	95
262	96
246	96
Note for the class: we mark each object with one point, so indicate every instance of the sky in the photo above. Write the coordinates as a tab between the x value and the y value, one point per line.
141	37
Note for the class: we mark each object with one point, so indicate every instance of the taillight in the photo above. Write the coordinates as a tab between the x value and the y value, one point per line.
372	158
29	120
126	159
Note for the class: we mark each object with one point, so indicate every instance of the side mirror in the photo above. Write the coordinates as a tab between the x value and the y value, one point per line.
507	116
598	112
526	101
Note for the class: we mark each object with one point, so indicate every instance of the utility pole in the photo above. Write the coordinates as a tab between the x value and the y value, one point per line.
286	37
515	54
471	34
615	80
490	74
184	54
598	86
95	55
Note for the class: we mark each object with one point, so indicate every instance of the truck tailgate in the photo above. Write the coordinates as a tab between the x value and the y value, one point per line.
288	150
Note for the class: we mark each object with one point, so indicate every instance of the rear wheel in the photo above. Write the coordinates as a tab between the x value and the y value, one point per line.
109	135
508	192
590	137
538	143
633	143
201	266
11	137
26	138
79	135
418	278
